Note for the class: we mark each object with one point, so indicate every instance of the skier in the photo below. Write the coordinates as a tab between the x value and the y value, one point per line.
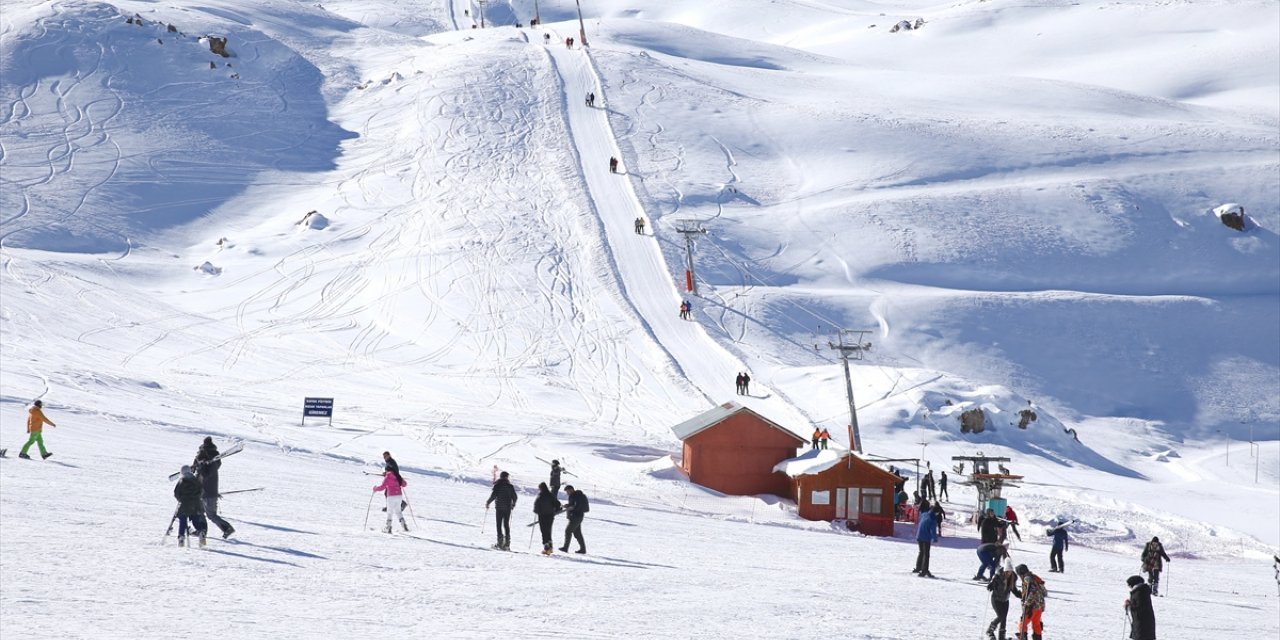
817	438
1004	583
555	478
824	437
938	515
989	527
207	466
613	164
1142	616
591	99
640	226
1033	596
576	508
546	38
926	535
187	492
35	426
746	377
1012	518
928	486
546	506
737	383
942	487
505	496
390	464
989	554
392	485
1061	543
1153	559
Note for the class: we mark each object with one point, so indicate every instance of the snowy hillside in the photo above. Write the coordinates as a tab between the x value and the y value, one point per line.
376	202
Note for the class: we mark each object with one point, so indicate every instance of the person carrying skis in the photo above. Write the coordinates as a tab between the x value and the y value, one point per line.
926	535
188	492
942	487
1142	616
546	506
505	496
393	486
989	554
1061	542
1002	584
1153	559
35	426
613	164
1033	597
206	466
576	508
556	469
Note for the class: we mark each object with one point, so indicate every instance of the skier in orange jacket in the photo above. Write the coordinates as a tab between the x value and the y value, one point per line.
35	426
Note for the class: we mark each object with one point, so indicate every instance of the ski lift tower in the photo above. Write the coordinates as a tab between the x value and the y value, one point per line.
989	485
690	229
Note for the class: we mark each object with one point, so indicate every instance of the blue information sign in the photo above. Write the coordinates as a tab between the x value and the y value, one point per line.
317	408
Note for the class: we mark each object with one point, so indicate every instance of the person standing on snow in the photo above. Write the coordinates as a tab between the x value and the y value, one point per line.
942	487
1061	542
926	535
576	509
35	426
823	438
546	506
928	491
1153	559
1012	518
1004	583
817	438
393	486
505	496
640	226
989	527
207	466
188	493
746	377
1142	616
737	383
613	164
1033	597
556	469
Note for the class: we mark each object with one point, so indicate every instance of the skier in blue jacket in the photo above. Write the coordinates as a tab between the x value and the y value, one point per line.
926	535
1060	544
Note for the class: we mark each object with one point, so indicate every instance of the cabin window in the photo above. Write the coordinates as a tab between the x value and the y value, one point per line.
871	500
820	497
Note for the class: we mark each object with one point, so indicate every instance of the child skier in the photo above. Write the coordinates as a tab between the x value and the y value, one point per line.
1033	597
392	485
188	494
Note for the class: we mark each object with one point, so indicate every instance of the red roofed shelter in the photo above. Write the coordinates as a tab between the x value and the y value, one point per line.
733	450
838	485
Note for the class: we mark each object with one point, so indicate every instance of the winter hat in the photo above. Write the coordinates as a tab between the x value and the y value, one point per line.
1022	570
187	472
1007	565
503	475
208	439
555	462
1134	581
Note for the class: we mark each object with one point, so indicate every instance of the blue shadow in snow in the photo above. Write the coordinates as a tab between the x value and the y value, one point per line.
248	557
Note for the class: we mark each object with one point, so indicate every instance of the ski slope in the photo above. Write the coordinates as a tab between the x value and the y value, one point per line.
1026	225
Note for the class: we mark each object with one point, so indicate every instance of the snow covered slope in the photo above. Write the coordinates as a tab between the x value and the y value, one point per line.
376	202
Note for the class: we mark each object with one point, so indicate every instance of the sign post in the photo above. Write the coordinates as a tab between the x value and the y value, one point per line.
317	408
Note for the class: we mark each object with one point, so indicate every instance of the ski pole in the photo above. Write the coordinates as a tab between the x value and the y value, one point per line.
1168	570
170	529
240	491
486	518
410	503
1124	633
367	510
530	540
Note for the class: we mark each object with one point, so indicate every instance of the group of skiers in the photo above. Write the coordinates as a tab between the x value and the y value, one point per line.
741	383
197	496
392	486
820	438
686	310
546	507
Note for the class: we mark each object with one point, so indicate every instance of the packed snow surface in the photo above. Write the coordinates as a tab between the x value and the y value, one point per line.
382	203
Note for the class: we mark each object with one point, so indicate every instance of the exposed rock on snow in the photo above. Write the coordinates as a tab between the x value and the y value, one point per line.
313	220
208	269
1026	417
217	45
973	421
1232	215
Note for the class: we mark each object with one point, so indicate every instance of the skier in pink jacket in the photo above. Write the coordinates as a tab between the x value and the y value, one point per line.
391	485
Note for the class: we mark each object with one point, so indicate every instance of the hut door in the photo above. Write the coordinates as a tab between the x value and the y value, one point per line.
842	496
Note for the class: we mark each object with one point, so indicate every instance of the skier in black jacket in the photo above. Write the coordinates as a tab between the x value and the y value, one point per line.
1142	614
546	506
207	470
989	527
555	478
1002	584
577	508
505	496
187	492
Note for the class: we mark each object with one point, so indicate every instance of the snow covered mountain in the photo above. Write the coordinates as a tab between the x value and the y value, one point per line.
377	202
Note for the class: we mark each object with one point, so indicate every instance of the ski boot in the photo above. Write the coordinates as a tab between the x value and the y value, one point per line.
404	524
45	455
202	539
387	529
226	533
546	550
182	541
24	456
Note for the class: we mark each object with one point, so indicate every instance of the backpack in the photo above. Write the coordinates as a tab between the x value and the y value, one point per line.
583	505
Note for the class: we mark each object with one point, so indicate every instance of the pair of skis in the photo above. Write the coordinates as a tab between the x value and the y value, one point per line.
232	450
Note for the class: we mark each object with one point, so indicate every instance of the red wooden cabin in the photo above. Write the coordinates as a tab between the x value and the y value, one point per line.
733	450
838	485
